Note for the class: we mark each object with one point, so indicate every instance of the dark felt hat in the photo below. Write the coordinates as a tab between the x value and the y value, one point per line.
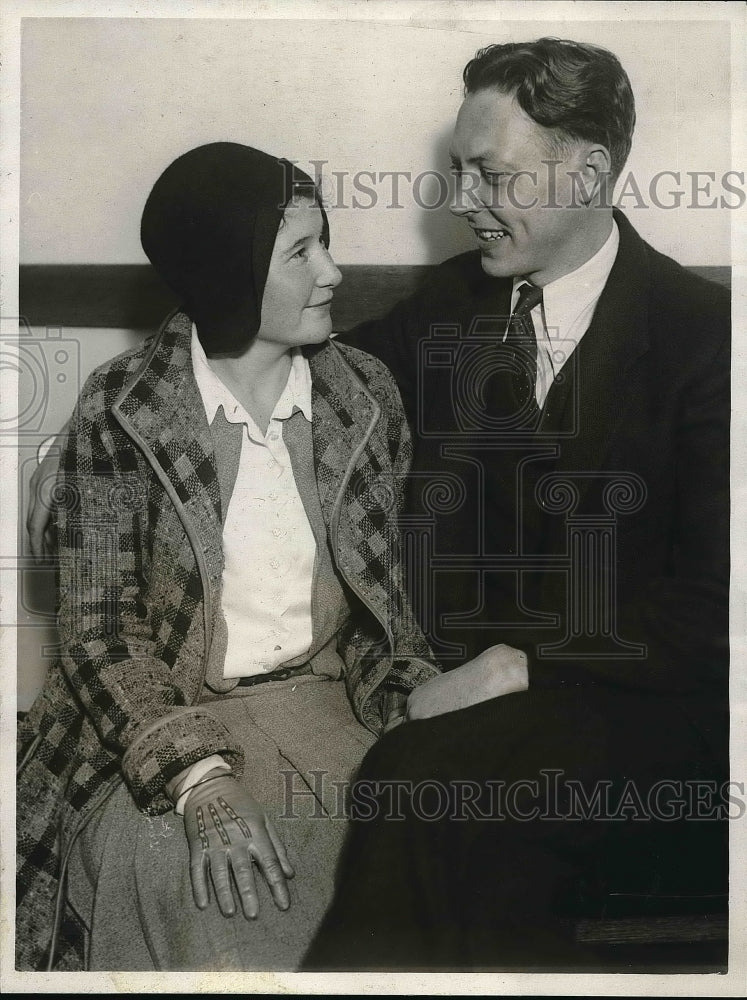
209	227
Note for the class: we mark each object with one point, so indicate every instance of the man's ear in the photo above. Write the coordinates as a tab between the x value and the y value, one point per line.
596	175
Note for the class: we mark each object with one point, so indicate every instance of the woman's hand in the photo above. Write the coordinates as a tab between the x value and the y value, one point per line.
228	831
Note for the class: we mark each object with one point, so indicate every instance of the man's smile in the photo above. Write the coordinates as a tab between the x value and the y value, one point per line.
490	235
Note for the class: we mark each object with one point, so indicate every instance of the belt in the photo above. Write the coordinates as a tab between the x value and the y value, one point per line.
272	675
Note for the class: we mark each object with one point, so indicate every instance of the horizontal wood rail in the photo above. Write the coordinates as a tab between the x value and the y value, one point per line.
133	297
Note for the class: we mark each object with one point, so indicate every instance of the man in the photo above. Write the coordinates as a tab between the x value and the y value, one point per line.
585	443
568	391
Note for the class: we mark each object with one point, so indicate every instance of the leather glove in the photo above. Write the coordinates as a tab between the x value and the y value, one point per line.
229	832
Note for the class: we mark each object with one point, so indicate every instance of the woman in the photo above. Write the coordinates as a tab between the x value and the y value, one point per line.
230	606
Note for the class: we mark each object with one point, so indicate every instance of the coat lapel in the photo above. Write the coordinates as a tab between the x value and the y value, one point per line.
588	406
162	410
349	461
344	414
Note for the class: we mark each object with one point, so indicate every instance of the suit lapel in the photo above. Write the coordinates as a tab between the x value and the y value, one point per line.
587	407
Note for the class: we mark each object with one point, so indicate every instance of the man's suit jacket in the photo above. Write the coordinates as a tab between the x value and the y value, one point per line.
643	402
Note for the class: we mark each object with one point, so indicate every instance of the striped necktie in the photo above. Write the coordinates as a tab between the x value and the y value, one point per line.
522	335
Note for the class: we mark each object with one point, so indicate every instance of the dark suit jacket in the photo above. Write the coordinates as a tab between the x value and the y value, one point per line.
644	402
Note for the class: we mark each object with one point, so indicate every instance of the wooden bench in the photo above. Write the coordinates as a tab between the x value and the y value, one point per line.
673	933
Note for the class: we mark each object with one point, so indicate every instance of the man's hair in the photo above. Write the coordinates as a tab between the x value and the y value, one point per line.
580	91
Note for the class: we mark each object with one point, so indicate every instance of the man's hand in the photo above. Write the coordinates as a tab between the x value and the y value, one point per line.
393	720
39	522
228	831
498	670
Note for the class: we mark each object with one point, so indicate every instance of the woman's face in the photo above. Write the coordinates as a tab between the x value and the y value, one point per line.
300	281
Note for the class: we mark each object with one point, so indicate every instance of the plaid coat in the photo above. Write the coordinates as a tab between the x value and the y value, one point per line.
139	526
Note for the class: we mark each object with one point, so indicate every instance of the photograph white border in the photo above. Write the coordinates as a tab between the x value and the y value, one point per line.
732	984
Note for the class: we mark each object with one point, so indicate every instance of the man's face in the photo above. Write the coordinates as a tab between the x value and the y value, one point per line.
503	159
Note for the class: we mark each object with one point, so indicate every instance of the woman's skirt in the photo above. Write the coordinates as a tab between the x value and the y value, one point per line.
129	877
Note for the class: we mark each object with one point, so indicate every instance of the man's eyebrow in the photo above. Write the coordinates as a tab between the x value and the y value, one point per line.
489	156
480	159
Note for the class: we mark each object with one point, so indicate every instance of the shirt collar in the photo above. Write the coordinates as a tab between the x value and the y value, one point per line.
567	297
295	395
297	392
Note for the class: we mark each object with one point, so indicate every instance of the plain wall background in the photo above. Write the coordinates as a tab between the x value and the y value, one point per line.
107	103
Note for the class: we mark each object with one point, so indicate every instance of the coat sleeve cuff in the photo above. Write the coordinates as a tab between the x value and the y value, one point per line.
406	674
170	745
409	672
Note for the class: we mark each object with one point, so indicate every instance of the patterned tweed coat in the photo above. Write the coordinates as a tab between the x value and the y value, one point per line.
139	526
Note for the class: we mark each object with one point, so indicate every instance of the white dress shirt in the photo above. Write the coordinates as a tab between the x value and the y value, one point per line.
268	544
565	313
